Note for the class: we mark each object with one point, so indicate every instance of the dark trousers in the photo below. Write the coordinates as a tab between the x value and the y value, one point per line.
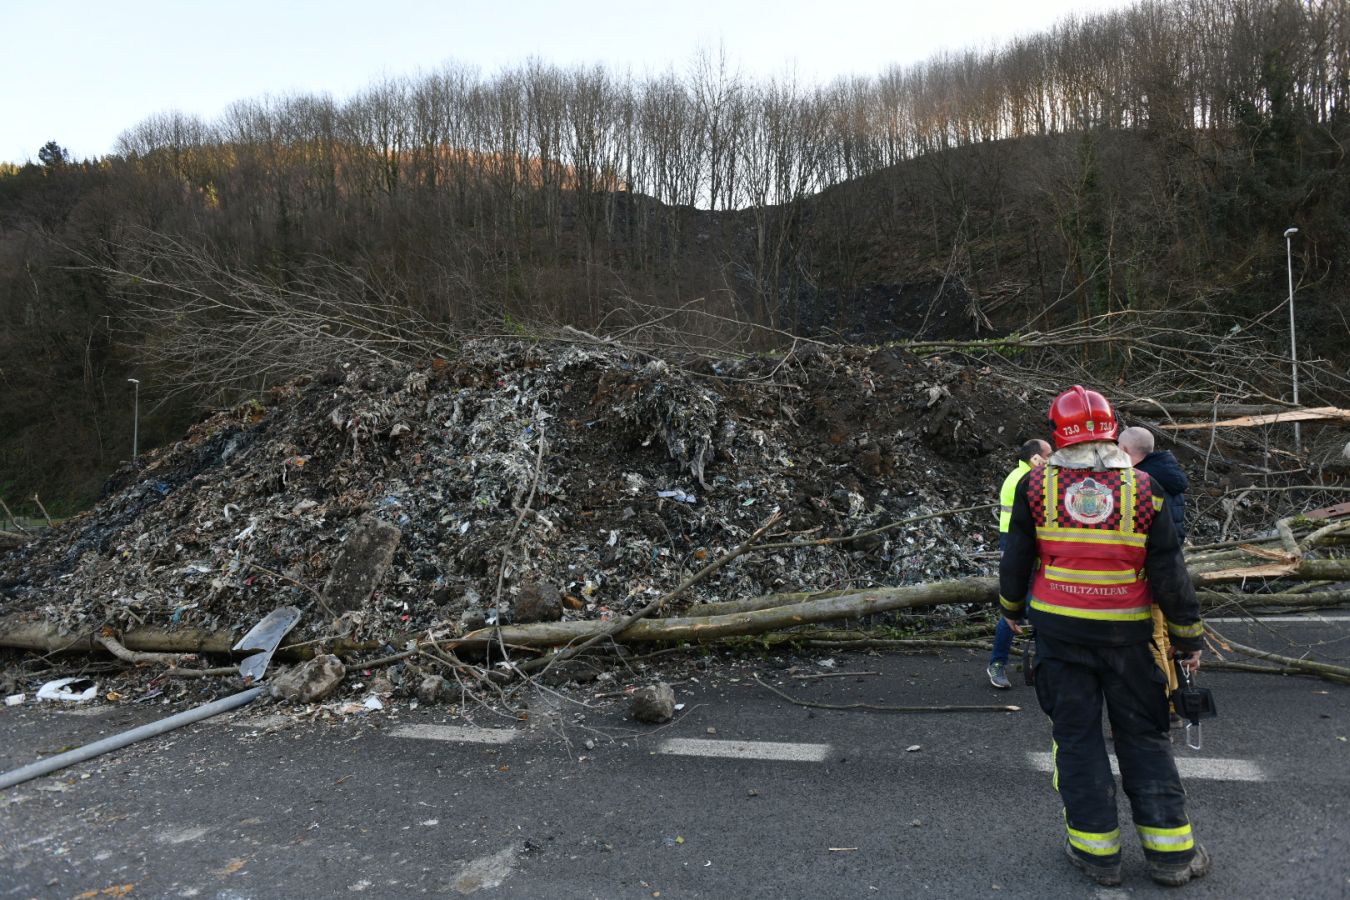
1072	681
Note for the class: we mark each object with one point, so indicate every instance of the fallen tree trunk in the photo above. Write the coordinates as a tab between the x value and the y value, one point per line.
702	628
1299	570
12	540
47	638
1201	410
768	601
1210	599
1320	414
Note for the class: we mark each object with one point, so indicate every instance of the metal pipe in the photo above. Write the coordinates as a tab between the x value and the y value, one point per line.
1293	348
135	418
117	741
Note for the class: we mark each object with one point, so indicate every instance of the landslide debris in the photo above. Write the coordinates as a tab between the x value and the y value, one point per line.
533	481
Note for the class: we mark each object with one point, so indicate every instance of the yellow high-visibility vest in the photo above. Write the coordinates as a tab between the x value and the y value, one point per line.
1007	493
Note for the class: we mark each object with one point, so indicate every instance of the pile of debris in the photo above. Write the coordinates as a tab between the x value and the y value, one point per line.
529	481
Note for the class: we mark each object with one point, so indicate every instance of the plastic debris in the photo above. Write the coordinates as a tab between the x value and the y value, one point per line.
265	637
15	699
677	495
68	690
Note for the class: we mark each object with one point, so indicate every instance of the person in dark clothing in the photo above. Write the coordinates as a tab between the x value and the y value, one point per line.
1100	549
1163	468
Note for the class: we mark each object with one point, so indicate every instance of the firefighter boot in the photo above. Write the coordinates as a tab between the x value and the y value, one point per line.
1107	876
1177	875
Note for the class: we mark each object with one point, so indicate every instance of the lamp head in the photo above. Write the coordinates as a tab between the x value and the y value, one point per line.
1289	231
134	380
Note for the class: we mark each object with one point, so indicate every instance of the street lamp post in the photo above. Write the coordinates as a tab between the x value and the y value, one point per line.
135	418
1293	348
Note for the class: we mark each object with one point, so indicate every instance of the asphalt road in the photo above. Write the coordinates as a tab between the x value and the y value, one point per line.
744	795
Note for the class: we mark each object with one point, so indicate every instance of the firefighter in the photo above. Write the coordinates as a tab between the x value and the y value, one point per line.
1031	454
1100	548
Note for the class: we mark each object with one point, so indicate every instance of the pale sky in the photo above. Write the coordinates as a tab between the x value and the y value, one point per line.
80	72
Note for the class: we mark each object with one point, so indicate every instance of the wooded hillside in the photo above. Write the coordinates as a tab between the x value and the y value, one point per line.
1136	167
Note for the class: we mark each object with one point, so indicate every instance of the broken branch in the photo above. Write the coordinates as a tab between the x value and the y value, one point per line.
114	646
1338	674
9	513
46	515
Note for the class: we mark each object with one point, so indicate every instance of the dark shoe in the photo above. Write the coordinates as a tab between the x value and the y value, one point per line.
1177	875
998	677
1107	876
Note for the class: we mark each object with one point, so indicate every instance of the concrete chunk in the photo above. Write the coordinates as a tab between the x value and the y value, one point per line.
311	681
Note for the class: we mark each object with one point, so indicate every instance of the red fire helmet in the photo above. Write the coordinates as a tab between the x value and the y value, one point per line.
1079	415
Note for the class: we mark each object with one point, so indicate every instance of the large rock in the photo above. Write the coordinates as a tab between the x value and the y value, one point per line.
654	703
361	565
311	681
538	601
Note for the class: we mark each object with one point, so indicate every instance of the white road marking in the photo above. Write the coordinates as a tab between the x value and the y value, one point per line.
458	733
745	749
1211	768
1311	618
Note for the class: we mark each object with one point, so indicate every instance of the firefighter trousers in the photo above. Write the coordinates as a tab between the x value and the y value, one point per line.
1072	682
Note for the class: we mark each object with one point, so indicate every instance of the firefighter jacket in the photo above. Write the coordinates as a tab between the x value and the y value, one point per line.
1005	495
1099	549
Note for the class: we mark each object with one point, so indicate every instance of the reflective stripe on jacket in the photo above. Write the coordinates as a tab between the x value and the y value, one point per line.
1007	493
1091	530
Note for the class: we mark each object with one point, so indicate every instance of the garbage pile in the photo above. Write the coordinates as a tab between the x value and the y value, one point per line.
534	480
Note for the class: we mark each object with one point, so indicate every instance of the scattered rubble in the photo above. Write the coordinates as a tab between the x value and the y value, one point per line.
548	481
